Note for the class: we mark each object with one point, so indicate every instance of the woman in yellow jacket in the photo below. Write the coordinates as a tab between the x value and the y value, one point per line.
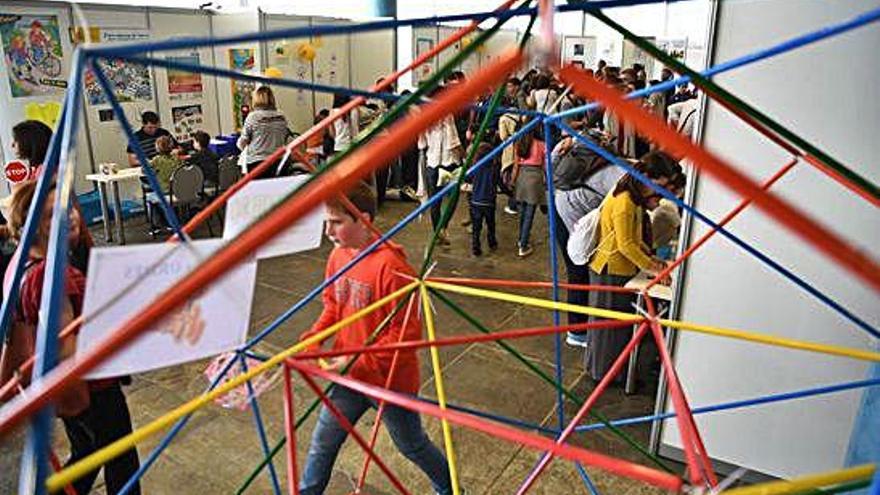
621	253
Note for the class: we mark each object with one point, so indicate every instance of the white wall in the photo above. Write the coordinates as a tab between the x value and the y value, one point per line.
297	104
828	93
230	25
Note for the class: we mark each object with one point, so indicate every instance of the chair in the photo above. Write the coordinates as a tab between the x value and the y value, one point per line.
184	195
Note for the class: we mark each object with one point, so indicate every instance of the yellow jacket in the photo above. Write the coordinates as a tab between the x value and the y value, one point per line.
621	247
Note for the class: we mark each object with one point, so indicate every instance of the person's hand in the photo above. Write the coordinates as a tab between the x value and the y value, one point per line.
334	364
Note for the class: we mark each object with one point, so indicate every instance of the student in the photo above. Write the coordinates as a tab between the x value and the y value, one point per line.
30	141
204	158
147	135
165	162
621	253
529	185
345	128
482	202
374	277
94	412
443	150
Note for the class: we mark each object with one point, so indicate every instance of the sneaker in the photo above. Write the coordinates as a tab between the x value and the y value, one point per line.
510	211
493	247
525	251
576	339
442	240
477	252
465	222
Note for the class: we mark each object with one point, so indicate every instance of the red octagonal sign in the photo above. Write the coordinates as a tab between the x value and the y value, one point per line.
16	172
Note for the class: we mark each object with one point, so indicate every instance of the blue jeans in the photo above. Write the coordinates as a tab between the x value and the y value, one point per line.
404	426
526	216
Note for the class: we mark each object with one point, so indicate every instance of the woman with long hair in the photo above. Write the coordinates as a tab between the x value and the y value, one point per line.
622	253
264	131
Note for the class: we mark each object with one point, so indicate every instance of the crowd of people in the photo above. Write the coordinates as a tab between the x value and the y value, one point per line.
635	228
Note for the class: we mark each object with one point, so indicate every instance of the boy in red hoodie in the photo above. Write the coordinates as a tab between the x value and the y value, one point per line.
371	279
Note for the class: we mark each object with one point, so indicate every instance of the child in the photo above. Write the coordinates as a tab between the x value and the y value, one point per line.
164	163
530	188
482	202
204	158
94	412
368	281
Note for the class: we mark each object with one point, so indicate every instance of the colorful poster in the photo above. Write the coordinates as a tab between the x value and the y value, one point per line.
212	322
32	49
131	82
182	82
187	119
241	60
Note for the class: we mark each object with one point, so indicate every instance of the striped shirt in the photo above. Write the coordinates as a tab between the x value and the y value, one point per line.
264	131
148	141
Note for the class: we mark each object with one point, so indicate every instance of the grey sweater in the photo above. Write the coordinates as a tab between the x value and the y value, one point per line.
264	131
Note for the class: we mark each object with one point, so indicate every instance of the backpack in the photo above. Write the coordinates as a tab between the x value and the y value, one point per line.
575	168
584	239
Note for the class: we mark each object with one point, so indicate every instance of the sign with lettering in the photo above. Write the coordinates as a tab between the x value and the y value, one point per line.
123	280
256	198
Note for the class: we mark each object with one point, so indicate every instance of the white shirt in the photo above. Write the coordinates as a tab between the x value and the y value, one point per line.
345	129
682	115
441	144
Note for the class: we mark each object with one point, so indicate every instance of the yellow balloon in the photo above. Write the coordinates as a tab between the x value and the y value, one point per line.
306	52
273	72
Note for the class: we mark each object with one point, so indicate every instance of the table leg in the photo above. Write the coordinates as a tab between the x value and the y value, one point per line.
105	211
630	387
117	211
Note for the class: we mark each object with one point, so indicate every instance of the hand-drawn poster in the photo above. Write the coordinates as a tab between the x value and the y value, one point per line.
241	60
214	321
187	119
183	82
130	82
32	49
423	72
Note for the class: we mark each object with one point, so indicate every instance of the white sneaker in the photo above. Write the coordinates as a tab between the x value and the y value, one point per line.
509	210
576	340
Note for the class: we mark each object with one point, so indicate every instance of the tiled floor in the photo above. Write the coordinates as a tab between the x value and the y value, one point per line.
219	448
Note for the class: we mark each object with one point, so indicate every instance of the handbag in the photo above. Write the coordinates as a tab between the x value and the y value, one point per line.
584	240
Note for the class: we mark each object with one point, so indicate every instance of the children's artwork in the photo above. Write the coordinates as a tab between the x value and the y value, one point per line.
239	397
215	321
130	82
32	48
255	199
183	82
187	119
424	45
241	60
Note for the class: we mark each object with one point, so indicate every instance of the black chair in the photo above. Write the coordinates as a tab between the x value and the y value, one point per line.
185	195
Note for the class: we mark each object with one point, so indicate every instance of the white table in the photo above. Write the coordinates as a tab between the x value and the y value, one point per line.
658	291
102	180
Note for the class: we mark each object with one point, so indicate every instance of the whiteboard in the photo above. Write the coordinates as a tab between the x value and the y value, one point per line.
827	93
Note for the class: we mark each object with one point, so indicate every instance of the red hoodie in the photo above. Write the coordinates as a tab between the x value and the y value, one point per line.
371	279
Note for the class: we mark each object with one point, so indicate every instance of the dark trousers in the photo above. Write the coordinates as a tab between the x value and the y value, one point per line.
269	173
106	420
381	184
575	274
479	214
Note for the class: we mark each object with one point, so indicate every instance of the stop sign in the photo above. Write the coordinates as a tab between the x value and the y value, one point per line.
16	172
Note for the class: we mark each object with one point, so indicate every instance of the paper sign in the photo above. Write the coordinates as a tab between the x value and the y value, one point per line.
215	321
256	198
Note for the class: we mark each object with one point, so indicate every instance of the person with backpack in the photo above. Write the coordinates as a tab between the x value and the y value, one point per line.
621	252
581	179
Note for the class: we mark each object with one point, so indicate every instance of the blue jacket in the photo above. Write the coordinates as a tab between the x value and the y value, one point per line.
485	182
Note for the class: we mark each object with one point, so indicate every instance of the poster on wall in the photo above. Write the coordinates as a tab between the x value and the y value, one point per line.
32	49
181	82
241	60
424	45
632	54
187	119
131	82
676	48
214	321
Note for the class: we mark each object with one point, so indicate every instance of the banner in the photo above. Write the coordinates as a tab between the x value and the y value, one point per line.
32	48
255	199
215	321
